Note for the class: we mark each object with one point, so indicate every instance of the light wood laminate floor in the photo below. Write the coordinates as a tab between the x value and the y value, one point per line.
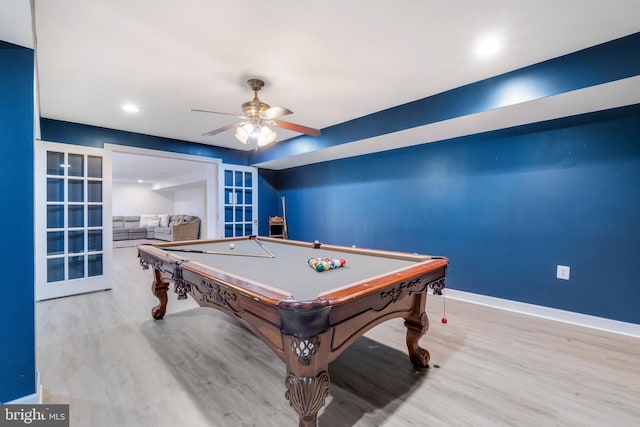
104	355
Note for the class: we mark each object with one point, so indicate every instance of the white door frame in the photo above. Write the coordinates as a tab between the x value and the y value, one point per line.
210	229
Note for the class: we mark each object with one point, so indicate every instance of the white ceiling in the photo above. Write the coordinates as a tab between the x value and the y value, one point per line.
16	23
329	61
151	170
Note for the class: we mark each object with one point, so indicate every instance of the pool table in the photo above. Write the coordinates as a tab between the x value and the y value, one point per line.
306	317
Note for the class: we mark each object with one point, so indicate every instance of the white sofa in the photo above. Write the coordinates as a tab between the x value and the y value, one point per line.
177	228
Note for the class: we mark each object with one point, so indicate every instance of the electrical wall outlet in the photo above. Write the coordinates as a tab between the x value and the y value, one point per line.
563	272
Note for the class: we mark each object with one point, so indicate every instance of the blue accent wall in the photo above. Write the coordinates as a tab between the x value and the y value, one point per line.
506	207
93	136
268	200
17	351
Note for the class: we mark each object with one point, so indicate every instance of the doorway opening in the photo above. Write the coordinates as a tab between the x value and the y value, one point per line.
152	182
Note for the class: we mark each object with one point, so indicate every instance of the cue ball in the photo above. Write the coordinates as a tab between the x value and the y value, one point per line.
231	246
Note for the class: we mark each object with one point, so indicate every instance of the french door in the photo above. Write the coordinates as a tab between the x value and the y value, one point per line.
72	220
238	200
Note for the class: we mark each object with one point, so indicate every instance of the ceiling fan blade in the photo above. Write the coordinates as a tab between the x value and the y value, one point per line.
273	112
297	128
217	112
224	128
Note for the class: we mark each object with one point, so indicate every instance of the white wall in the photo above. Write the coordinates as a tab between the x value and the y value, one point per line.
191	200
138	199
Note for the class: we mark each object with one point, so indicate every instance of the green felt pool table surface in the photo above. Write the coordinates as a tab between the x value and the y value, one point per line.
283	265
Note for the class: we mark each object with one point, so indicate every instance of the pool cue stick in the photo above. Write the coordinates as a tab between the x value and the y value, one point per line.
198	251
284	218
265	248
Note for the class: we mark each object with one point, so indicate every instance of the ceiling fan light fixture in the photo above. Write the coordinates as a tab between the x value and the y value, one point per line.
252	129
243	133
266	136
255	134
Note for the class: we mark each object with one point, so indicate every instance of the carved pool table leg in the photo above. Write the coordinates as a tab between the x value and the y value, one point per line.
307	379
417	324
307	395
159	289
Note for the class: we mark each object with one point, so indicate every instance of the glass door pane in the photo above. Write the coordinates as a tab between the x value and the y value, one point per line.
55	163
75	164
94	167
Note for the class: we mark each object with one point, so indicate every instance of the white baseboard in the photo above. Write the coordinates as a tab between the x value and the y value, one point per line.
30	399
600	323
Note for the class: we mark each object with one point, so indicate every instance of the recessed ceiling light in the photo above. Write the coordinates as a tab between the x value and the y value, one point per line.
140	181
130	108
488	46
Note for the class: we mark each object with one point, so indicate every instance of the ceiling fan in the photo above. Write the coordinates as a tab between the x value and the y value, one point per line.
252	128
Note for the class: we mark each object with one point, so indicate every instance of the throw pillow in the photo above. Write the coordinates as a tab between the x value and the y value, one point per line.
144	220
164	220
